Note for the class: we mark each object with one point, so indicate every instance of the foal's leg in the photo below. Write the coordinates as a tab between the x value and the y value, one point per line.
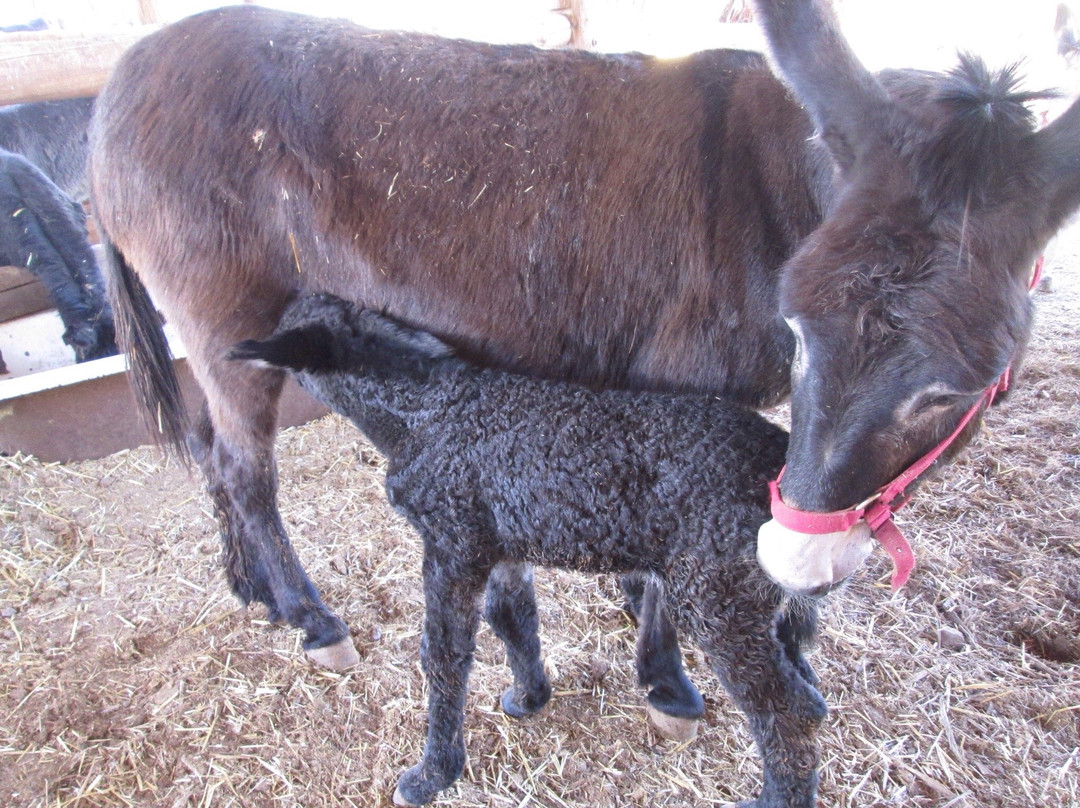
796	629
783	708
633	588
511	612
43	230
233	441
80	256
675	706
451	615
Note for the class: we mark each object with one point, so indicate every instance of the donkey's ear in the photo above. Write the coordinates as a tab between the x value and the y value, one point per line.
312	348
1058	146
843	98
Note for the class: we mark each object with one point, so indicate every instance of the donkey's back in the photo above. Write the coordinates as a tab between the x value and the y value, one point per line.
53	136
502	196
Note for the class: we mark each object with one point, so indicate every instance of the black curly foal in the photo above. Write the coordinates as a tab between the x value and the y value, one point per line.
498	472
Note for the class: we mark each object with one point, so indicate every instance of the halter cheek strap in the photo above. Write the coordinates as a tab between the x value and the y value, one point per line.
879	508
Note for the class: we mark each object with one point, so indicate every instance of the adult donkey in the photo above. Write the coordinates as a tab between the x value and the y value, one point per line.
616	220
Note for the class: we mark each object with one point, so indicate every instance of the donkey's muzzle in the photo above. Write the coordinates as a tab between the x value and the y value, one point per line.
809	564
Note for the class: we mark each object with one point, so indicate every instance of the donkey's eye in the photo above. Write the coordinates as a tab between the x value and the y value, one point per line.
939	401
929	402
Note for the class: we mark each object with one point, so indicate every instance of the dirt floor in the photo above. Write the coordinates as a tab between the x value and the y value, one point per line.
130	676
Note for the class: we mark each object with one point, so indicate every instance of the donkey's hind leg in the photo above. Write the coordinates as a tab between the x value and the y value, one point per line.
233	442
511	611
675	706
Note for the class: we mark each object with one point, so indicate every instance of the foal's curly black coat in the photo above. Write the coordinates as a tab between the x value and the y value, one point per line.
498	471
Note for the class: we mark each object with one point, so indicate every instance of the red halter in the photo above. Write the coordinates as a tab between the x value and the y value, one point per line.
879	508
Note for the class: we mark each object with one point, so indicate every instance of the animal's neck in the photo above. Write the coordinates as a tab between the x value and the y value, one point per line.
719	328
385	406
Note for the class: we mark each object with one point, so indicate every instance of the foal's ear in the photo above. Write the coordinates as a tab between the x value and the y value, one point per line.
845	101
312	348
1058	149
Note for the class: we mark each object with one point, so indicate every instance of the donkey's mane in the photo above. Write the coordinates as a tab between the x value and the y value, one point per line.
978	120
983	98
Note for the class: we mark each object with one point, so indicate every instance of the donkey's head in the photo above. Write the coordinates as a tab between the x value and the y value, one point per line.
911	298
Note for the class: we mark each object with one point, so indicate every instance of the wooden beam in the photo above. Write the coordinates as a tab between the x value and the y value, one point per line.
21	294
574	11
147	12
50	65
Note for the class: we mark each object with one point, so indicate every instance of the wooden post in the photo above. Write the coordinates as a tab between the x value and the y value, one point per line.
147	12
737	11
50	65
574	11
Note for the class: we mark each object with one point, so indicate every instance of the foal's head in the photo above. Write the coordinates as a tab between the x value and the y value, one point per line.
911	298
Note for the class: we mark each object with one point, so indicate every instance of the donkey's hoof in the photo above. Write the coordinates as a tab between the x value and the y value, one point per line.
336	657
399	799
672	727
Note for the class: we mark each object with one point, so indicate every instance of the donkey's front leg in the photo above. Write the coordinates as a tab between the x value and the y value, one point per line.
783	708
795	629
259	559
451	615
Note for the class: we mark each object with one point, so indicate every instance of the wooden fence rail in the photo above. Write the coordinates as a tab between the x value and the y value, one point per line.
50	65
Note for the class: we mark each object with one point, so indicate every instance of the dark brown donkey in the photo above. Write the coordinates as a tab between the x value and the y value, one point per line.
693	224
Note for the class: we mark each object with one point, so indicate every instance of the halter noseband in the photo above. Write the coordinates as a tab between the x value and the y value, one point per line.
879	507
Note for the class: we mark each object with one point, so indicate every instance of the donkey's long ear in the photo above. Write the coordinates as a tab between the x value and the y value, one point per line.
843	98
1059	148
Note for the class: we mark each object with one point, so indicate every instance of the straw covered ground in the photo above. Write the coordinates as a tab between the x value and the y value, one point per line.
130	676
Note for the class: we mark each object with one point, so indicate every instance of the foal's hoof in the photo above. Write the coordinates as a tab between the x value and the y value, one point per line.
275	618
672	727
516	707
399	799
420	785
336	657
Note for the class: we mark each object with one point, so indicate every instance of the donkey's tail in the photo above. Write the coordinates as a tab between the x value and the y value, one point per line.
150	362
